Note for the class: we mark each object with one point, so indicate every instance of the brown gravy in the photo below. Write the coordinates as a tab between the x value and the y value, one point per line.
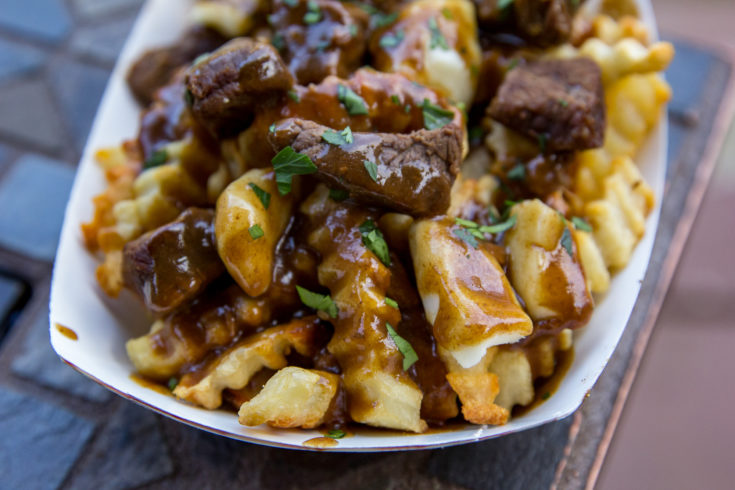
321	442
67	332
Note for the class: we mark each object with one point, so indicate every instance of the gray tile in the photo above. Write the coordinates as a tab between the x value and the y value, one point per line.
10	292
103	41
96	8
39	443
4	155
78	88
38	362
33	196
47	20
27	114
17	59
128	453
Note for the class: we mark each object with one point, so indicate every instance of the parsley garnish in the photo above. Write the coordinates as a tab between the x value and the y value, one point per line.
409	355
344	137
503	4
338	194
372	169
391	40
581	224
465	223
335	433
513	63
563	103
189	98
447	13
354	104
542	142
158	158
278	42
464	235
272	128
263	195
291	3
391	302
373	239
293	95
437	38
320	302
476	133
313	15
517	173
353	30
546	396
256	232
566	241
434	116
288	163
173	383
394	98
379	19
499	227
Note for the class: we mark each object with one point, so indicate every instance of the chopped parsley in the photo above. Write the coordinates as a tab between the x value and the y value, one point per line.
335	434
173	383
313	14
158	158
499	227
256	232
200	58
354	104
513	63
546	396
263	195
372	169
353	30
581	224
288	163
373	239
338	194
475	133
467	237
465	223
278	42
379	19
343	137
470	232
563	103
394	98
409	355
517	173
391	40
437	38
293	95
319	302
291	3
434	116
542	142
189	98
566	241
272	128
447	13
504	4
391	302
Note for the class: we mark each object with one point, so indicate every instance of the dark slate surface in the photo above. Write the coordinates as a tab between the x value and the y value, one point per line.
100	8
39	443
103	41
25	115
47	20
128	453
33	196
37	362
18	60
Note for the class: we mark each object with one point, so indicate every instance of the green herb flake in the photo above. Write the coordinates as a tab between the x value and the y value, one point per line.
354	104
464	235
409	355
256	232
566	242
407	109
447	13
293	95
475	133
343	137
379	19
322	46
437	38
373	239
499	227
200	58
465	223
319	302
263	195
158	158
338	195
335	434
189	98
391	302
353	30
288	163
394	98
517	173
313	14
272	128
278	42
563	103
391	40
581	224
546	396
504	4
372	169
542	142
434	116
291	3
513	63
173	383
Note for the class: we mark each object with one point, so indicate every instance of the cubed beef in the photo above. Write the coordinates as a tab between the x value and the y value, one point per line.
559	103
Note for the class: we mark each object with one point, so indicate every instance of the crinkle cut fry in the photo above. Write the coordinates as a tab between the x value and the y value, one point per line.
379	392
233	368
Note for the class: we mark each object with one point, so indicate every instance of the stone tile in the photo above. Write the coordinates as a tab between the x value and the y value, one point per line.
47	20
128	453
96	8
10	292
39	443
27	114
4	155
38	362
103	41
17	59
33	196
78	88
687	75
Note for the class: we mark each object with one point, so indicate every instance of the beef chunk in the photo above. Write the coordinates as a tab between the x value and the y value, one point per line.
320	37
155	67
226	87
175	262
557	102
415	171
